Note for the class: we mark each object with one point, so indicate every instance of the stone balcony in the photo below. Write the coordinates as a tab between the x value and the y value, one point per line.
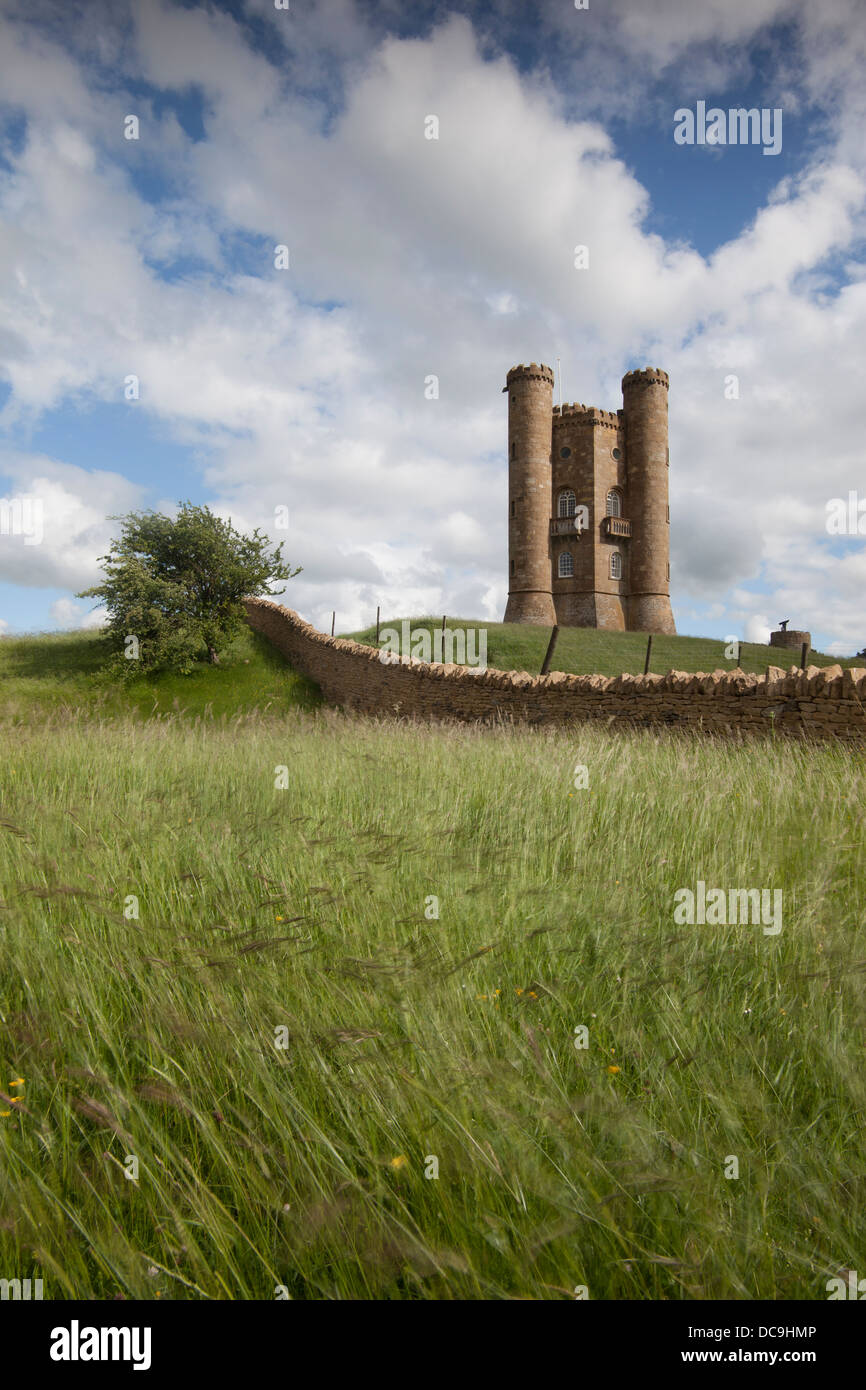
616	526
564	525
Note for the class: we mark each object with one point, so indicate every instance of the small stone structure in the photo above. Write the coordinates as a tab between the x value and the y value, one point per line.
821	702
790	638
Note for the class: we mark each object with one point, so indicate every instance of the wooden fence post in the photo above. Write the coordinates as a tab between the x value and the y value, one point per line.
333	616
545	665
377	626
804	654
649	648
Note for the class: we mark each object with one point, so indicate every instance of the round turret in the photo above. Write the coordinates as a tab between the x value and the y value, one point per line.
530	437
645	411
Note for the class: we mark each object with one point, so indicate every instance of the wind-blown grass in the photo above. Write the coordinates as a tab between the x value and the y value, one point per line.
411	1037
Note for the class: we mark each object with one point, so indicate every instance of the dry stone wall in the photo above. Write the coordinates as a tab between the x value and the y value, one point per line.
822	702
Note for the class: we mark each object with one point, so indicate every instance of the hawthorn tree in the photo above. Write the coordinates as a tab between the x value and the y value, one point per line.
173	586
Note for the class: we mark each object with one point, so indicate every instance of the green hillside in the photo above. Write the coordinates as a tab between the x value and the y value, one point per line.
586	651
56	671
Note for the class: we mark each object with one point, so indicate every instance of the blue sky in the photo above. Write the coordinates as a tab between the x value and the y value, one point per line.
261	388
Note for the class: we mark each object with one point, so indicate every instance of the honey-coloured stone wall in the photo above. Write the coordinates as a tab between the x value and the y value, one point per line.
821	702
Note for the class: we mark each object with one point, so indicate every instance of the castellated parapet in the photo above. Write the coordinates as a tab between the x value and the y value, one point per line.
588	515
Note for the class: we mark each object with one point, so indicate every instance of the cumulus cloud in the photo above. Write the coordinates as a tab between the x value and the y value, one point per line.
73	505
305	388
66	614
758	629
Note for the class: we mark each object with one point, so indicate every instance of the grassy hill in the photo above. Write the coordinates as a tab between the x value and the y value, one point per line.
60	671
586	651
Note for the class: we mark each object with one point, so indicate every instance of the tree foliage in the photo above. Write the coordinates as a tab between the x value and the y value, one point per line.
173	586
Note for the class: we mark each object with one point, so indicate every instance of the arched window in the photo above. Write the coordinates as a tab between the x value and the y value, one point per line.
615	565
614	503
567	503
566	565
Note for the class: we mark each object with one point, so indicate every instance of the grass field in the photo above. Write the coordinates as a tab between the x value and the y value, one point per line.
59	672
587	651
410	1037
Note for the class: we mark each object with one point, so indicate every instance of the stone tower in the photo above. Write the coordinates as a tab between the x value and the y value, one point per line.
530	426
645	401
588	522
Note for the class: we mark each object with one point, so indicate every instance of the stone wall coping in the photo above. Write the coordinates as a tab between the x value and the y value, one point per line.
827	682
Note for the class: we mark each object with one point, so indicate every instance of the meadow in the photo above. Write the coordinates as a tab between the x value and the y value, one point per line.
331	1012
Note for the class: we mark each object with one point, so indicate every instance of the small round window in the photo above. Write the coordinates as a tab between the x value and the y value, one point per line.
617	454
565	453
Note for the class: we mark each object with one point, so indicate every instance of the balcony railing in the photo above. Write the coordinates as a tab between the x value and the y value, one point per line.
615	526
564	525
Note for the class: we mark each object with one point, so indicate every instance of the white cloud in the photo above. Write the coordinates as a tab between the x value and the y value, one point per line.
758	629
75	504
412	257
68	615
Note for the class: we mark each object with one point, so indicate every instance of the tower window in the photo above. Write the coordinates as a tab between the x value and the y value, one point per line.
514	509
566	504
615	565
669	571
668	510
565	453
617	454
566	565
512	566
513	450
614	503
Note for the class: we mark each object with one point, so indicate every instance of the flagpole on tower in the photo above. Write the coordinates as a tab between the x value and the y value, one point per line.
559	374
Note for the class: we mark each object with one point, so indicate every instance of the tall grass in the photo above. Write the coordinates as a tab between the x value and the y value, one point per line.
411	1037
